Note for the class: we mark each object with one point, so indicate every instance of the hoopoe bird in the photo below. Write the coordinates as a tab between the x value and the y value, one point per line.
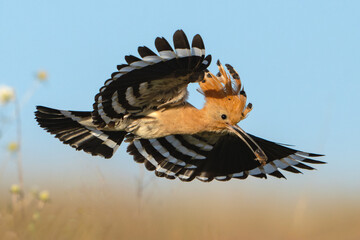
144	102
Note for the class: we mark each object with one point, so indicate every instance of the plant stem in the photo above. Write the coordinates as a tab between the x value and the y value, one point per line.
19	151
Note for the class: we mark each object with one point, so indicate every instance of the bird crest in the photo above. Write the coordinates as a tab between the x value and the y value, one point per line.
226	90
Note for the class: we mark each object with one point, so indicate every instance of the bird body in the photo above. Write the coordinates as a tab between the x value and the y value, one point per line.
145	103
184	119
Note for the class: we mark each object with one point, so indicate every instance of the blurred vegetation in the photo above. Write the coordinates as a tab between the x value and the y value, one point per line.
100	212
21	204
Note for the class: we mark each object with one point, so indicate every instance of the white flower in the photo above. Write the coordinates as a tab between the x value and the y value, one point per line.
7	94
13	147
15	189
44	196
42	76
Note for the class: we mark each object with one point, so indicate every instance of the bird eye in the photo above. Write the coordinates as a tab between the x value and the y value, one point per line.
223	116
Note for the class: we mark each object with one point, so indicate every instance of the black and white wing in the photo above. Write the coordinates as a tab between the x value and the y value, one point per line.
76	129
153	80
210	156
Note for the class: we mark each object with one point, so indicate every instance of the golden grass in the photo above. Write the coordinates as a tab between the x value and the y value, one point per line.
99	212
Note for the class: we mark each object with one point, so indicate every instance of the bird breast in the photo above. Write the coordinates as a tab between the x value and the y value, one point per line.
184	119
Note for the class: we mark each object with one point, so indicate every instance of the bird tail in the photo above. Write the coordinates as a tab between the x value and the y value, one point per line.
77	130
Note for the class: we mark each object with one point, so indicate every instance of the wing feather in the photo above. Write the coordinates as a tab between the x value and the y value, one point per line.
222	157
151	81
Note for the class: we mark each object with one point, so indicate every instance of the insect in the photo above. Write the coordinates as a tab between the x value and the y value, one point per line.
144	103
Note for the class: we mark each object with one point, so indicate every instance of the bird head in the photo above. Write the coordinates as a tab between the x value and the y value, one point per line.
225	98
225	105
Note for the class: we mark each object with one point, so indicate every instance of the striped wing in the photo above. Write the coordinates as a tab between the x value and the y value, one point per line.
76	129
218	157
151	81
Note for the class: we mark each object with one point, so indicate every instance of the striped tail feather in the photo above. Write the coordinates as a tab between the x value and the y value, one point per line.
75	128
190	156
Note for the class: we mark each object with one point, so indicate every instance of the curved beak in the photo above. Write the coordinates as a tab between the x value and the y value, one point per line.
254	147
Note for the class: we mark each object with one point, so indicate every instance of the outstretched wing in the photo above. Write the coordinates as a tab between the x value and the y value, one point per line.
207	156
152	81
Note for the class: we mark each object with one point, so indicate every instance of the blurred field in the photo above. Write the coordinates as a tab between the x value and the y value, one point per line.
100	212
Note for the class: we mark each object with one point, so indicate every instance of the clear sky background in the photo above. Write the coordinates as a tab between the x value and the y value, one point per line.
299	62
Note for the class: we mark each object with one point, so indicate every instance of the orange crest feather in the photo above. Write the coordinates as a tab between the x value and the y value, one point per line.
221	86
225	90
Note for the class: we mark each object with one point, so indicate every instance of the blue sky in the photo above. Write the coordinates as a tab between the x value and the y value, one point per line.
299	62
